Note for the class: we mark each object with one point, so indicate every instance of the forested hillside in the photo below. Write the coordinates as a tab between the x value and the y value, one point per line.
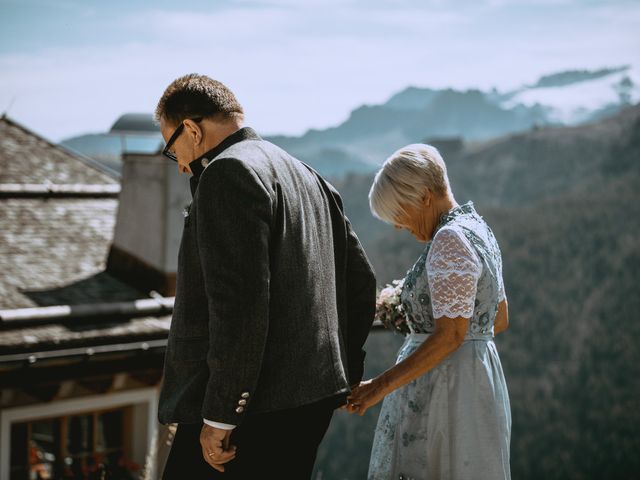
563	203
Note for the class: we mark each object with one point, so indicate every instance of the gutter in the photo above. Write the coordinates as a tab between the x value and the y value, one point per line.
34	357
36	190
22	317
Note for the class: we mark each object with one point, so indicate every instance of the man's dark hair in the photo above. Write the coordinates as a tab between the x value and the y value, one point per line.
194	96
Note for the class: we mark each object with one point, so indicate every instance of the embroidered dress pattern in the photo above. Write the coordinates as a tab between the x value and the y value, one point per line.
455	420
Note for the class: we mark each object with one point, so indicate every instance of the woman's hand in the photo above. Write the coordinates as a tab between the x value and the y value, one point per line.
447	337
365	396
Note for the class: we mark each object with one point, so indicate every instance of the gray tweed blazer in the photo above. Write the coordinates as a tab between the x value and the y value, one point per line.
275	296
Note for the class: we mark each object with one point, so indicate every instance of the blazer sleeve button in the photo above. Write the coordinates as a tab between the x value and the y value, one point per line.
242	402
245	395
239	409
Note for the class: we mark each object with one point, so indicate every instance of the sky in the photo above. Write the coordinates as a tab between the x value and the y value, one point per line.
69	67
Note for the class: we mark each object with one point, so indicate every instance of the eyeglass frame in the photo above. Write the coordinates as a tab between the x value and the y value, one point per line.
174	136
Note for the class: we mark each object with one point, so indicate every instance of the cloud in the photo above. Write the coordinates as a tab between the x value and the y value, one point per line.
295	68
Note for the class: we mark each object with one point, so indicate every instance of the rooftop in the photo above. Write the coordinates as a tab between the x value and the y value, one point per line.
57	217
27	158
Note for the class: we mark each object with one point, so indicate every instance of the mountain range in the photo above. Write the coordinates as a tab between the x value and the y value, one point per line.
372	132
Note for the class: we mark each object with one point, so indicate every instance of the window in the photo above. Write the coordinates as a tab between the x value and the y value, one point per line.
86	446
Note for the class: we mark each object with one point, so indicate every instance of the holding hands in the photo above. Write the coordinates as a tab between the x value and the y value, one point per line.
365	396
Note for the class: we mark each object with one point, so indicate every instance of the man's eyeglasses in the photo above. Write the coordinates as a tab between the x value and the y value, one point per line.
166	151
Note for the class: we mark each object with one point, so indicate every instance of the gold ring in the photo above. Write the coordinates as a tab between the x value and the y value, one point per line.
211	454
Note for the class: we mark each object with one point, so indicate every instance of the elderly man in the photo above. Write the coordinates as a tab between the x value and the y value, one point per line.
274	299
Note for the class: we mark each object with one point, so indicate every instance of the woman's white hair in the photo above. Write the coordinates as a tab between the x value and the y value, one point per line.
403	177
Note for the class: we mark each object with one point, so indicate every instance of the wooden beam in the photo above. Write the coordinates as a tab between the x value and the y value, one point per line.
99	384
147	377
42	392
82	369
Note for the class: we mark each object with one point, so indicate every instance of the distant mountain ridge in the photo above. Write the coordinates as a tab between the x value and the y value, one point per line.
372	132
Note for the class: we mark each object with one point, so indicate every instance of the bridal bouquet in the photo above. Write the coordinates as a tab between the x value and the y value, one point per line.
389	309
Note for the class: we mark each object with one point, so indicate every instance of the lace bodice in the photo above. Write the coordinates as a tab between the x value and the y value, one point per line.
458	274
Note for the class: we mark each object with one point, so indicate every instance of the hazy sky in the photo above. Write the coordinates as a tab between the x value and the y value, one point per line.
69	67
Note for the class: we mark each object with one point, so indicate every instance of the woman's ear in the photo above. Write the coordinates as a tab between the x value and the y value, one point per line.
426	196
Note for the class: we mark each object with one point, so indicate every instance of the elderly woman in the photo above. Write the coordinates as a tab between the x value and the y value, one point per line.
446	412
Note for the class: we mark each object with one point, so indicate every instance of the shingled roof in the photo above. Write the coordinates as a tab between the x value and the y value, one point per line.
57	217
27	158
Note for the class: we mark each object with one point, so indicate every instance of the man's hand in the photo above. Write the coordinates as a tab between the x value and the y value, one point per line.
216	448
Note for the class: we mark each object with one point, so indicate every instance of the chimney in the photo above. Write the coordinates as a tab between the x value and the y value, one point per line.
149	224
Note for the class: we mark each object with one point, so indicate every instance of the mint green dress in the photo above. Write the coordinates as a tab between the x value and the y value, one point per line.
454	422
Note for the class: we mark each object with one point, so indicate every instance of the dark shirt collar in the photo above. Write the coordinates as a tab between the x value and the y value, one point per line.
199	164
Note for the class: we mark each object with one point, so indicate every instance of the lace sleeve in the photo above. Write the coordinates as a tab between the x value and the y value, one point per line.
453	269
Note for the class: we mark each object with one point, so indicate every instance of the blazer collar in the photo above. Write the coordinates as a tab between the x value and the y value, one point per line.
199	164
